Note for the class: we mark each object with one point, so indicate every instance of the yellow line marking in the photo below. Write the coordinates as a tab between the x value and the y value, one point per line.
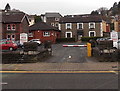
58	71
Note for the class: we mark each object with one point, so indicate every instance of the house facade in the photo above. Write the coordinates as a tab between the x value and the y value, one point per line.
13	24
117	25
77	27
44	32
52	18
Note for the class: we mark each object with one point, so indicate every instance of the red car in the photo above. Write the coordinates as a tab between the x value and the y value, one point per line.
8	45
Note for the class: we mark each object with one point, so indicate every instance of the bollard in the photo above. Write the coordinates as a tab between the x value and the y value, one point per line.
89	50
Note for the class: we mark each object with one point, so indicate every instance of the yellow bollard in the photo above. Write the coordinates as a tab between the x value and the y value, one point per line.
89	49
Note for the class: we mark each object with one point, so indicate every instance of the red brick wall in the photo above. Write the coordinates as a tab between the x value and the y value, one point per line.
39	35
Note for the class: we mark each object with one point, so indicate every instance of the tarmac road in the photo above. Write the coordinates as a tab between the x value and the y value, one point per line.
60	81
68	54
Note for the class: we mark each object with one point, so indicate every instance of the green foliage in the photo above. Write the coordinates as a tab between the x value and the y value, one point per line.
37	19
30	46
86	39
94	13
65	40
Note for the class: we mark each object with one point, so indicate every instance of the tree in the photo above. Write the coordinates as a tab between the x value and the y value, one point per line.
94	12
103	11
37	19
119	7
115	8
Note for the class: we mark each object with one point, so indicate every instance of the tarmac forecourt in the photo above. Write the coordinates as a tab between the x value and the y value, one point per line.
22	72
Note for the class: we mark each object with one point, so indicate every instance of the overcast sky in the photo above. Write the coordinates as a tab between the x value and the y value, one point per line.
64	7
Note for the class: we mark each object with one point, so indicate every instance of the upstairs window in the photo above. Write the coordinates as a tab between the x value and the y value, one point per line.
52	24
46	34
68	25
56	19
13	27
79	25
56	25
91	25
8	27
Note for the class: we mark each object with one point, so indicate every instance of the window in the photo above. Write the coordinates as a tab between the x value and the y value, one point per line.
56	25
52	24
13	27
56	19
68	26
8	36
79	25
8	27
46	34
68	35
30	34
13	37
91	25
92	33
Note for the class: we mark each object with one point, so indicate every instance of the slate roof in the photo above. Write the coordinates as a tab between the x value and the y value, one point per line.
80	19
57	15
12	17
42	26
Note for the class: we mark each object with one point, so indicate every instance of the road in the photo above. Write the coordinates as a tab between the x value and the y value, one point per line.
60	81
68	54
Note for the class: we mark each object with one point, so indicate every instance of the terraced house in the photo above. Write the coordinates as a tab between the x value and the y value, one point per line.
14	22
78	26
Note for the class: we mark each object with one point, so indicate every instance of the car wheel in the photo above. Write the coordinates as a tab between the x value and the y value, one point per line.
11	49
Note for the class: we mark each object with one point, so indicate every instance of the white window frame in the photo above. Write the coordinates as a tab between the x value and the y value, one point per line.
46	34
12	37
9	35
91	32
7	27
52	24
57	24
56	19
30	34
93	25
68	27
78	27
12	27
66	34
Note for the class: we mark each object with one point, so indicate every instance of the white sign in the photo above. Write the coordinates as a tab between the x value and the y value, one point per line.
114	36
23	38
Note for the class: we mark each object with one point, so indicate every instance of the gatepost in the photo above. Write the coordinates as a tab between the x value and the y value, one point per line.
89	49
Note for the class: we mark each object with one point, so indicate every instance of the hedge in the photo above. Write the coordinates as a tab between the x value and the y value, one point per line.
86	39
65	40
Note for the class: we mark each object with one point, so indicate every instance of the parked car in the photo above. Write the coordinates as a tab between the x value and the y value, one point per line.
8	45
103	39
36	40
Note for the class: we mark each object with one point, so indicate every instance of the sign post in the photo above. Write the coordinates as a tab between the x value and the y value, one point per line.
23	38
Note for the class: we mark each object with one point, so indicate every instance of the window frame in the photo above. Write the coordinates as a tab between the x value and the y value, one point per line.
8	28
14	27
46	35
78	27
70	33
70	27
90	25
94	33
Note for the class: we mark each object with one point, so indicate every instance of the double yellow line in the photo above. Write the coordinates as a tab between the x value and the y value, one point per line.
59	72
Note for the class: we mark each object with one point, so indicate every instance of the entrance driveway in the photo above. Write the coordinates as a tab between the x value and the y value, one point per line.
68	54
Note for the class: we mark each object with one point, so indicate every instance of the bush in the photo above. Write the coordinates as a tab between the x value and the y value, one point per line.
65	40
86	39
47	44
30	46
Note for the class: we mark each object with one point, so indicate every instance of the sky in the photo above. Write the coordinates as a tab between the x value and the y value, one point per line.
64	7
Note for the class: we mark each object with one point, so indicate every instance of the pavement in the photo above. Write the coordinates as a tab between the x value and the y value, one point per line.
64	59
88	66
